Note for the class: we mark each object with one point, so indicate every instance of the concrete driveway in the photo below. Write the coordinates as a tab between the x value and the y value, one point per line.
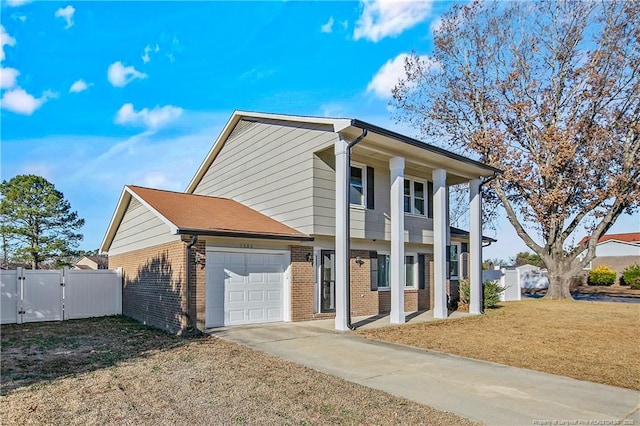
483	391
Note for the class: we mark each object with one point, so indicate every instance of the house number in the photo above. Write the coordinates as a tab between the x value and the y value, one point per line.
246	245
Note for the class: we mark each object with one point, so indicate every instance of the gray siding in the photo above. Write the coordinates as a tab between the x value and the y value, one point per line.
268	167
140	228
365	223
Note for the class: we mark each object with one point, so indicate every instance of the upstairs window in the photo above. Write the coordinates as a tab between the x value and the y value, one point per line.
356	186
414	197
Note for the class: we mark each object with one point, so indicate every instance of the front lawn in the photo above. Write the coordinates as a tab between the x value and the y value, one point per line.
591	341
115	371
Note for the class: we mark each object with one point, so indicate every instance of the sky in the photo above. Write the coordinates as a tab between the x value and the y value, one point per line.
98	95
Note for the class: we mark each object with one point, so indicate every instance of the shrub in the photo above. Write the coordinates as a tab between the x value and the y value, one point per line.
631	276
492	292
602	275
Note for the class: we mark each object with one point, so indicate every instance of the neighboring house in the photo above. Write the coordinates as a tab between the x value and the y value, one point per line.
92	262
617	251
254	238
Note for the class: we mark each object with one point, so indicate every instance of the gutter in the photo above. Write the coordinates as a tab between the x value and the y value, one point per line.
216	233
350	145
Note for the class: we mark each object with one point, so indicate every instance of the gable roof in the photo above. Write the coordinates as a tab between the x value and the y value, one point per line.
629	237
345	126
201	215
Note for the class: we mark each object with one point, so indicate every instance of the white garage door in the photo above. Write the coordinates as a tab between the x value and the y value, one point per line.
244	288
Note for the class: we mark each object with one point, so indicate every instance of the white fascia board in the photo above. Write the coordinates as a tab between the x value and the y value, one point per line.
172	227
631	243
116	218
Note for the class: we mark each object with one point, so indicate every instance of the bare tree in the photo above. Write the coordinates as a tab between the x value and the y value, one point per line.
549	93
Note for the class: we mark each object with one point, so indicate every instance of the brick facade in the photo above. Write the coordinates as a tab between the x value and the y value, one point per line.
364	302
154	285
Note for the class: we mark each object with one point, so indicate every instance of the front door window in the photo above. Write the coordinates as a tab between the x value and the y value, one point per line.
328	282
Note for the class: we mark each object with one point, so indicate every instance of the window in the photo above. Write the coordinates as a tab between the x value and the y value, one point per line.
356	186
384	279
453	261
383	270
409	275
414	197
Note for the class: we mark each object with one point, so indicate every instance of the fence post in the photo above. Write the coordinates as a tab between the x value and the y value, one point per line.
65	278
120	272
19	295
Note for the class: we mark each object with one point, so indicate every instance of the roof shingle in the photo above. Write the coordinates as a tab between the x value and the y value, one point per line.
200	214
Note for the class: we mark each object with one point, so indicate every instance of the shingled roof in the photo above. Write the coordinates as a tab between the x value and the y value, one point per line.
629	237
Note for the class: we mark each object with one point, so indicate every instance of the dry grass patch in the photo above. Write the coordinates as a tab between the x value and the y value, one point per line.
591	341
114	371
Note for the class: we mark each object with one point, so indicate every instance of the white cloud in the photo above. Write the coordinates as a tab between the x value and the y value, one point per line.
19	17
151	119
145	56
21	102
16	3
79	86
328	27
8	77
119	75
391	72
66	13
388	18
5	40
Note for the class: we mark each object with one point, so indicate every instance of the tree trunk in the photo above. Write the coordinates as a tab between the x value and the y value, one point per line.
558	287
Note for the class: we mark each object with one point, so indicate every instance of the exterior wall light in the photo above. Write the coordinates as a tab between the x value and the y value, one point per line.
359	261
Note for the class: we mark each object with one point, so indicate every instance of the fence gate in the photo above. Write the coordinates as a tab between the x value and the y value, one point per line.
55	295
42	295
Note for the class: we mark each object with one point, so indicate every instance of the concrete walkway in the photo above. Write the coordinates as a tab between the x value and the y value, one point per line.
490	393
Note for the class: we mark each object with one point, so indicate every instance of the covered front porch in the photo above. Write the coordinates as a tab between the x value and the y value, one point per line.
407	158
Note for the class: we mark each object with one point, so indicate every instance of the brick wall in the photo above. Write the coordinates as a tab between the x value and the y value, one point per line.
302	286
154	285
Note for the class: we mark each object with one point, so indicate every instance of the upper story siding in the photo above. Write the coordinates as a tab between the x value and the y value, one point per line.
615	248
140	228
370	224
269	167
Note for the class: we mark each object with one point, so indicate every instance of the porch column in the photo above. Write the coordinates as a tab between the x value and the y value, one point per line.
475	247
342	257
440	225
396	165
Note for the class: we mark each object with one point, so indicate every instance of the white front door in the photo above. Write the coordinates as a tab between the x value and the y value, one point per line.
244	288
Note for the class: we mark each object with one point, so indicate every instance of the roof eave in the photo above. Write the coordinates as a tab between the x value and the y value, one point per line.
238	234
423	145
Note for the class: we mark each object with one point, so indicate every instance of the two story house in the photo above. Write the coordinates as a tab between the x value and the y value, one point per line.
293	218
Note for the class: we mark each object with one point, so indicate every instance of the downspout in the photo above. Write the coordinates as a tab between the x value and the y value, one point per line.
191	327
348	228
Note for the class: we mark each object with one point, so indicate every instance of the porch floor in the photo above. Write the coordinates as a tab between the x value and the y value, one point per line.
382	320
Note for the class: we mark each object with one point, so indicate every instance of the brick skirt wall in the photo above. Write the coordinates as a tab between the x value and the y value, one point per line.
364	302
154	289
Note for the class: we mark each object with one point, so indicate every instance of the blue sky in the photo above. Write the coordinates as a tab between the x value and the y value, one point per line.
97	95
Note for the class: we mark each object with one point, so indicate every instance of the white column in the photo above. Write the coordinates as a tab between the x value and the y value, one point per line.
440	225
396	165
475	247
342	257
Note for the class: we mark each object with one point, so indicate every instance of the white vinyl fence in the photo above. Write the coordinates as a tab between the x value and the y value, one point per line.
55	295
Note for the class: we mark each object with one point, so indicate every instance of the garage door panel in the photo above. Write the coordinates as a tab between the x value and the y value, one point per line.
274	295
252	287
235	296
255	295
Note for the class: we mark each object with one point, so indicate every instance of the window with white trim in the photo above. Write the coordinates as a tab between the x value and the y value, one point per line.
453	260
384	269
415	197
357	185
